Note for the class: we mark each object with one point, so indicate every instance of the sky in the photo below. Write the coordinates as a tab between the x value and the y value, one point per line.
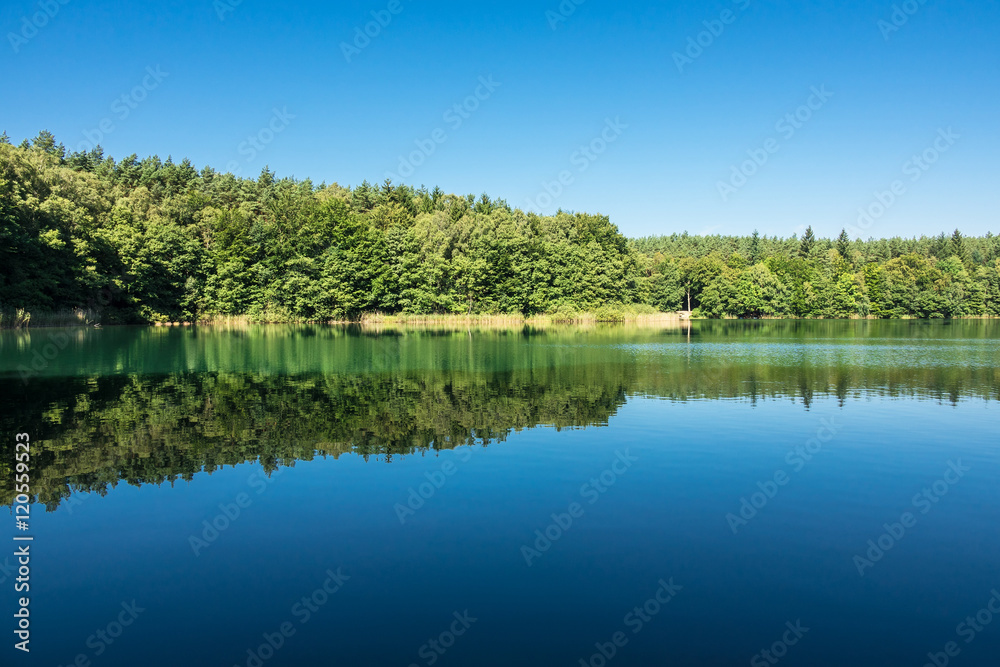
876	116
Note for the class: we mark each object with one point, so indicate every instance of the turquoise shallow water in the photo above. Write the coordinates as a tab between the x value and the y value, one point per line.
822	491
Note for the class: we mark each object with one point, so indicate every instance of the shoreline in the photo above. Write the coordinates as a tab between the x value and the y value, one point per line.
84	319
617	315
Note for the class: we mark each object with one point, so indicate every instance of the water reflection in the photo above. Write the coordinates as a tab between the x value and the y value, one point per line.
156	405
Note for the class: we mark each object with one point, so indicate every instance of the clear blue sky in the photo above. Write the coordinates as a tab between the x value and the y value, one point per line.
892	93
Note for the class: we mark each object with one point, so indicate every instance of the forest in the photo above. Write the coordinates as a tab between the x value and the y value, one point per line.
150	240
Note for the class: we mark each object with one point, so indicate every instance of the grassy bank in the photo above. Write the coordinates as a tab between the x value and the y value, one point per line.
641	314
21	319
604	314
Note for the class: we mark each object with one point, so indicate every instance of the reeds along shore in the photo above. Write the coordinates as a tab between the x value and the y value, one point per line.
21	319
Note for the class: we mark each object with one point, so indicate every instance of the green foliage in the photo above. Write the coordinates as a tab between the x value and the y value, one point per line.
927	277
844	244
807	243
148	240
143	240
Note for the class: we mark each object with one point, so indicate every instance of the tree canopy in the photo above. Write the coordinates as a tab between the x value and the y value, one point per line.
144	240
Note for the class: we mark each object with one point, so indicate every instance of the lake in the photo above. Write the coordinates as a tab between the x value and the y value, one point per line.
725	493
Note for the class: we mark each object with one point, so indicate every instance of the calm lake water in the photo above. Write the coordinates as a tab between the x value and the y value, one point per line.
826	492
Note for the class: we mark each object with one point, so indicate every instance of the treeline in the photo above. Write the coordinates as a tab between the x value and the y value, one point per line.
157	240
755	276
152	240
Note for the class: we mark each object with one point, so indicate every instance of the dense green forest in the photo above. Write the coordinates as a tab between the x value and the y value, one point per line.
144	240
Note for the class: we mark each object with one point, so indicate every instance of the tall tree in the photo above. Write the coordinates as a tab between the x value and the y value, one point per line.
844	244
807	243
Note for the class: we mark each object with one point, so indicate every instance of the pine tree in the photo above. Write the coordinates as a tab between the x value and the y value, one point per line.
45	141
755	248
844	244
956	242
808	241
